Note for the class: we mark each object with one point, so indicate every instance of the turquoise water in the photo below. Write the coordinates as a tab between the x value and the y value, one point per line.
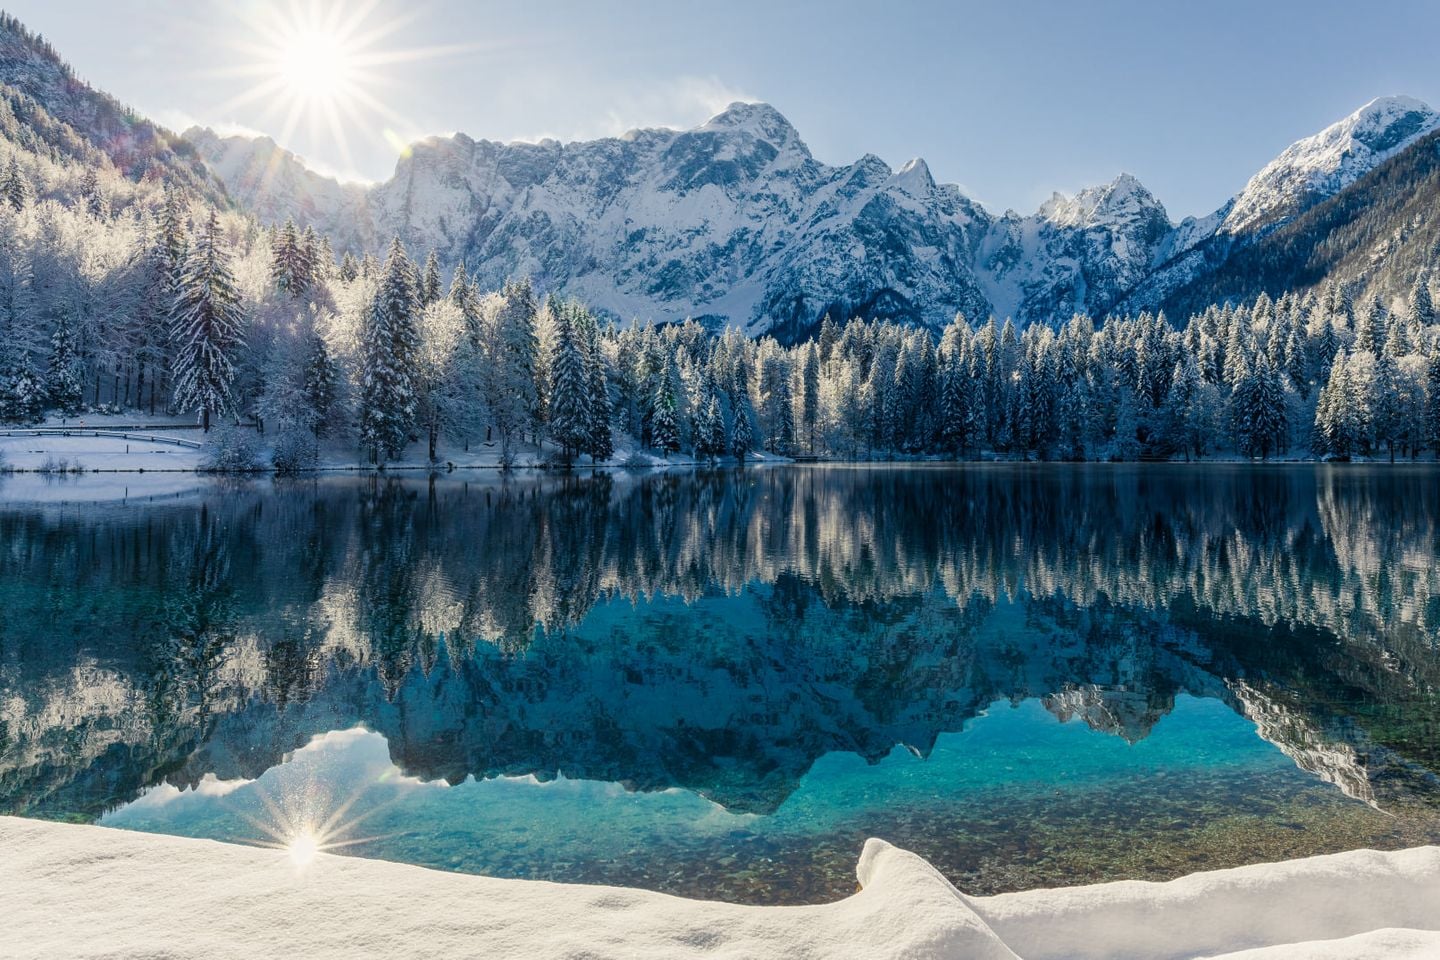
528	827
720	684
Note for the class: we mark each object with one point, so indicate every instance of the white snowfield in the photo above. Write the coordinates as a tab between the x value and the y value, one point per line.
81	891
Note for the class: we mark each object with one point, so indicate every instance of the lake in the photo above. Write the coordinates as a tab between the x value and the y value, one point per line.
719	683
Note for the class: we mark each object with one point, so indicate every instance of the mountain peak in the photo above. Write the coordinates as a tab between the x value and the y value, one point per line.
1121	198
760	120
1321	165
914	178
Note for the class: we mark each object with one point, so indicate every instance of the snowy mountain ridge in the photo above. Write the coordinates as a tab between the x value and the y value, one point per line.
734	222
1321	165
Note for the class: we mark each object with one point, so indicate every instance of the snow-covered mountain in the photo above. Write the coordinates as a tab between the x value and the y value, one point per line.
733	221
45	108
1306	173
1317	167
275	184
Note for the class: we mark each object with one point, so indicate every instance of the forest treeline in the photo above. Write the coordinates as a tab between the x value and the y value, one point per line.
118	295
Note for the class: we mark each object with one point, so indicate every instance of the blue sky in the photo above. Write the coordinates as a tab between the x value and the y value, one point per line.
1010	100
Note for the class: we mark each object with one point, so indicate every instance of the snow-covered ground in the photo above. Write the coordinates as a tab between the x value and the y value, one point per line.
89	454
89	891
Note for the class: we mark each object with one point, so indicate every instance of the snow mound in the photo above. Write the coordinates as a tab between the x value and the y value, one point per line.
90	891
1278	909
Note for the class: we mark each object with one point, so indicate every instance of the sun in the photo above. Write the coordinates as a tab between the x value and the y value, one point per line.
316	67
328	65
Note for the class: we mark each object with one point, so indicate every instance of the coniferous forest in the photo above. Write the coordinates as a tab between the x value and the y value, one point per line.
123	296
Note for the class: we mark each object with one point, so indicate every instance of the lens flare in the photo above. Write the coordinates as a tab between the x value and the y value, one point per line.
302	848
325	64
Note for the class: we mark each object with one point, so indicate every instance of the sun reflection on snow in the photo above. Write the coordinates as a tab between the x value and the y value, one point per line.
302	848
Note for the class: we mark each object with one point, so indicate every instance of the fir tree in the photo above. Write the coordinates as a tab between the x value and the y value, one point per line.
1432	399
743	437
14	187
664	419
712	432
430	281
27	397
1386	409
601	443
1260	401
511	374
810	393
1370	324
570	386
93	195
208	324
289	263
388	375
321	385
63	381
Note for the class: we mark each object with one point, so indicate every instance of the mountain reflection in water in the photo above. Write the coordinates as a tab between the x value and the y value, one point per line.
716	668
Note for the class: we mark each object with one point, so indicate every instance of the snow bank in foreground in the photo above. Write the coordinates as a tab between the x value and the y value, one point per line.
89	891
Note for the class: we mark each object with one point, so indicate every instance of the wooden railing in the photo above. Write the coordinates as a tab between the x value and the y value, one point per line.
110	434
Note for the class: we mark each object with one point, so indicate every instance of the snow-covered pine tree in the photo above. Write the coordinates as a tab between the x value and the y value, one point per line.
1432	398
174	237
349	268
569	391
1189	409
322	385
1370	324
810	393
316	259
467	301
14	186
63	384
713	440
27	397
289	266
90	191
1261	410
601	444
743	437
953	433
1338	431
430	289
664	416
511	353
209	326
388	359
1387	412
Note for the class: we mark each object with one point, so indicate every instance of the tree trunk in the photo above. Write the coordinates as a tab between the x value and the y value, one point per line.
205	420
433	431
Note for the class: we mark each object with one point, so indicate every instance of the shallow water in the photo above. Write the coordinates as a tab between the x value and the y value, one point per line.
719	684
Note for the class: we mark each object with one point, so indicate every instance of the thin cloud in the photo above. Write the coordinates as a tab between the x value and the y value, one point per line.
684	102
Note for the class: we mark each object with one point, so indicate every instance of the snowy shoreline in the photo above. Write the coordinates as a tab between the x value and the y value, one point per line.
73	891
